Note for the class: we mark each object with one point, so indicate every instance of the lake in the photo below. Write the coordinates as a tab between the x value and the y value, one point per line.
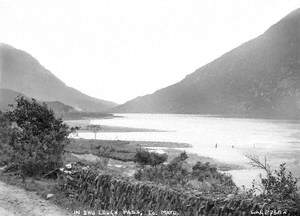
278	140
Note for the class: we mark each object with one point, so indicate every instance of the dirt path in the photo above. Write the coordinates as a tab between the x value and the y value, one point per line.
15	201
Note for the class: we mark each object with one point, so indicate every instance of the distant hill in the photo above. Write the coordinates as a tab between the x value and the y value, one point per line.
59	107
8	97
22	73
258	78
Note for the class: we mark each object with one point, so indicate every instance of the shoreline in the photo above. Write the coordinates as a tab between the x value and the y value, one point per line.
84	123
117	129
239	116
125	150
121	161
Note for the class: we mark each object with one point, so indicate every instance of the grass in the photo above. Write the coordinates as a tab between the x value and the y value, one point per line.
121	149
125	150
120	163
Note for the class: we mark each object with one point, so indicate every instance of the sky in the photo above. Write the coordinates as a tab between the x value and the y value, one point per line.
117	50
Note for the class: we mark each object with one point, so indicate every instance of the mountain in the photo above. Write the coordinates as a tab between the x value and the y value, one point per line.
21	72
8	97
60	108
259	78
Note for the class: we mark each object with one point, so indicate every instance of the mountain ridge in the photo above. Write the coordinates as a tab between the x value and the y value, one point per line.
21	72
8	97
261	77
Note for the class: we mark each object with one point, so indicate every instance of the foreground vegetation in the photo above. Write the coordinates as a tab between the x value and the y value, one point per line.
34	145
105	191
34	139
177	173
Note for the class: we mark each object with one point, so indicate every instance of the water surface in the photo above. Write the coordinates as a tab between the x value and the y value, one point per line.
278	140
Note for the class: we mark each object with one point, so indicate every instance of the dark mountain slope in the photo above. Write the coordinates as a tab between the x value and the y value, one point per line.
21	72
258	78
7	97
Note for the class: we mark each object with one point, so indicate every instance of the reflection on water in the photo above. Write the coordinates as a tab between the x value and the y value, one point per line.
234	137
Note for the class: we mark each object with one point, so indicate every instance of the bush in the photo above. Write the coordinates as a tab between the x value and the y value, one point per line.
203	171
180	158
177	173
163	174
144	157
219	182
104	152
38	139
157	159
5	133
109	192
173	174
279	185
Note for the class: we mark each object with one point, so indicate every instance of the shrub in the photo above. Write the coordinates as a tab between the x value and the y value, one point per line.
144	157
279	185
177	173
180	158
5	133
37	143
157	159
104	152
173	174
209	175
203	171
110	192
163	175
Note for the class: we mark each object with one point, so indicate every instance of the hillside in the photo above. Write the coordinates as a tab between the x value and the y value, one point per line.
59	107
8	97
22	73
258	78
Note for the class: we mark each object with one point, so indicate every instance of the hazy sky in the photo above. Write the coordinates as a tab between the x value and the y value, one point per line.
120	49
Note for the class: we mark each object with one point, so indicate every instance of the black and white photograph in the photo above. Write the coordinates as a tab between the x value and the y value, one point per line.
149	108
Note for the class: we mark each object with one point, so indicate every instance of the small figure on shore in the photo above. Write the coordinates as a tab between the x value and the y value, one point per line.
216	146
232	146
